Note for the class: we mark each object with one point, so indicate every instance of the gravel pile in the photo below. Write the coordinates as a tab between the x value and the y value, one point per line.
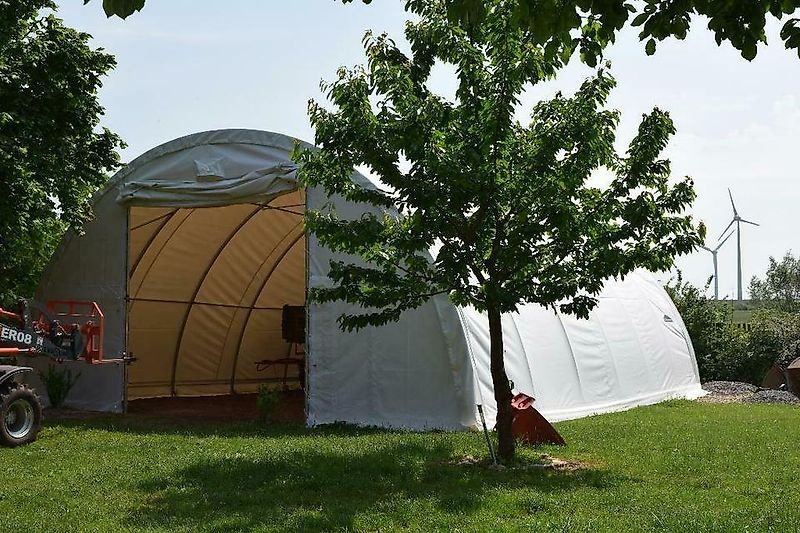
729	387
737	392
773	396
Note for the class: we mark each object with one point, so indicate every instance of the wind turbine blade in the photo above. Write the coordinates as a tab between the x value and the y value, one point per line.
748	222
723	241
732	204
726	229
706	248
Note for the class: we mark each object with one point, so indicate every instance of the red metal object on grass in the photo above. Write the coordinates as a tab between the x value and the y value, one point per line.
529	426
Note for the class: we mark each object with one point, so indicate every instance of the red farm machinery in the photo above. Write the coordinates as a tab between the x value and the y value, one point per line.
60	331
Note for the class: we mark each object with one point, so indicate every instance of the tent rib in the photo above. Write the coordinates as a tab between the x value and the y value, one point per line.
199	286
178	227
208	304
571	353
255	300
161	217
150	241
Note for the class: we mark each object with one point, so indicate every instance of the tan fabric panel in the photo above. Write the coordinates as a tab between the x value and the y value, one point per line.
152	338
183	261
141	267
262	337
143	226
294	201
231	277
287	283
202	343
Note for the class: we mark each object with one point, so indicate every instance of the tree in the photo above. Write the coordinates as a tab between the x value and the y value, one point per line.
509	205
53	156
589	26
780	288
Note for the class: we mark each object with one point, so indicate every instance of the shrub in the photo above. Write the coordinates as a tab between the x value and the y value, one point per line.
267	402
775	336
58	383
721	348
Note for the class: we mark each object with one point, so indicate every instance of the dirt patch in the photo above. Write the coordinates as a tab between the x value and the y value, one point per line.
546	462
225	408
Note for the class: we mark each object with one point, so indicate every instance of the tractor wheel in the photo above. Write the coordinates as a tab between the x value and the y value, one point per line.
20	415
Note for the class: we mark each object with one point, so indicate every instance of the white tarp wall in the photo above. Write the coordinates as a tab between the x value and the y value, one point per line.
195	246
633	350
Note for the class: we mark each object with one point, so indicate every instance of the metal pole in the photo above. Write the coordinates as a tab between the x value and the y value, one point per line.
716	276
739	262
486	434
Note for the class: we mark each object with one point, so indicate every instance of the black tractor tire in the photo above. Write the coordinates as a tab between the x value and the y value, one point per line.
20	415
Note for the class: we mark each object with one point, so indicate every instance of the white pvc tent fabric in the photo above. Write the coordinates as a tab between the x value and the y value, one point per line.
197	244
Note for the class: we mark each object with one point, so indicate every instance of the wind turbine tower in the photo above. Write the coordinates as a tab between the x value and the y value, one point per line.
713	252
737	220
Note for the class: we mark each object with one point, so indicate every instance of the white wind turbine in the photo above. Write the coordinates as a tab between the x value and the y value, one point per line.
714	256
737	220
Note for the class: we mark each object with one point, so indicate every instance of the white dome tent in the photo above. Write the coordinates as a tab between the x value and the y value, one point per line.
197	244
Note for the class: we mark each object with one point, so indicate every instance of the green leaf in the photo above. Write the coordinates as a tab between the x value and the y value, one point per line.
650	47
749	50
640	19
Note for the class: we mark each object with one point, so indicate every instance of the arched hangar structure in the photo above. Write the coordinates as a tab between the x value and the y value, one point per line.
196	246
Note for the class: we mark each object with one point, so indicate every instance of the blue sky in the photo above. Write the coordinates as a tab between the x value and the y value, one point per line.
187	66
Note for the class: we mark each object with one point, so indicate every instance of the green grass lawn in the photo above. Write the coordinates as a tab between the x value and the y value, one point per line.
677	466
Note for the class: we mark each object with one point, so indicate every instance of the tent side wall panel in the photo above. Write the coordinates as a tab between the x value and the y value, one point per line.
407	374
91	267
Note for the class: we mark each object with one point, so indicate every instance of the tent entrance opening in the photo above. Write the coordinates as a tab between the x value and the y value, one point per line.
206	293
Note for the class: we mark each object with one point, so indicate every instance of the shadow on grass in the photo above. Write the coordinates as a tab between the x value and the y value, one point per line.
194	427
389	485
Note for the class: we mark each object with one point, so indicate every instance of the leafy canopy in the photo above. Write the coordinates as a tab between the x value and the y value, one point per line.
53	155
590	25
780	287
510	205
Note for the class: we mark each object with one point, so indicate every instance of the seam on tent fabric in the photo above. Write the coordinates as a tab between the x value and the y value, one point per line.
637	335
459	387
611	358
672	311
223	245
166	242
524	353
149	243
468	336
160	217
571	353
255	299
665	343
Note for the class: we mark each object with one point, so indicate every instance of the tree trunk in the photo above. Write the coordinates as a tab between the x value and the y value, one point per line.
502	387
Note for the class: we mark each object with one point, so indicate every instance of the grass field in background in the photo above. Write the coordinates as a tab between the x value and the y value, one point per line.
677	466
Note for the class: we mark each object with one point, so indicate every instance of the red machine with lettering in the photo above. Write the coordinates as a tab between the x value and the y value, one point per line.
62	330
